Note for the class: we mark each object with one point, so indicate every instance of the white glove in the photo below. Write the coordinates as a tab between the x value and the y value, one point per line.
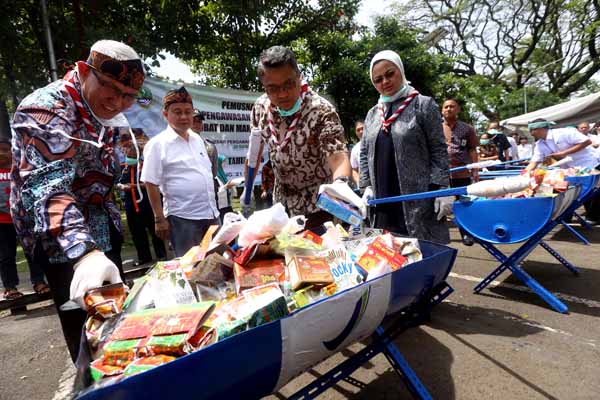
91	271
367	195
443	206
340	190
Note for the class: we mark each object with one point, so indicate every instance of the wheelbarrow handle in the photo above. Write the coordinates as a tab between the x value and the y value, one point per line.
420	196
485	164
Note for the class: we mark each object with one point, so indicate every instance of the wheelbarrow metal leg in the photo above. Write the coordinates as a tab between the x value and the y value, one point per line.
560	258
574	232
582	221
541	291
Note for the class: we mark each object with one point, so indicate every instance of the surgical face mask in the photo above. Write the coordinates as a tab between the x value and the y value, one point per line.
131	161
484	142
291	111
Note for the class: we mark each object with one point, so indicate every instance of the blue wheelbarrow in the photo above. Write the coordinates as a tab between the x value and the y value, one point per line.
259	361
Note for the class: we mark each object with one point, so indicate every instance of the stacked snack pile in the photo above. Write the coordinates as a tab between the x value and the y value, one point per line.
249	272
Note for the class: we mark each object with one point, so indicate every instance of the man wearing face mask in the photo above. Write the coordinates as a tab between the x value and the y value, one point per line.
63	172
304	135
177	166
140	219
498	138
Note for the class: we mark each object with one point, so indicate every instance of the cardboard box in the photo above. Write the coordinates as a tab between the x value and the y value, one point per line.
259	272
339	209
309	270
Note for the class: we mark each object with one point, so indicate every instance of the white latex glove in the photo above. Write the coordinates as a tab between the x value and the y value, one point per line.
368	195
443	206
91	271
340	189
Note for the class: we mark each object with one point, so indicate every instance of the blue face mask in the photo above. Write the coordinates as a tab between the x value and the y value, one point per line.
131	161
484	142
291	111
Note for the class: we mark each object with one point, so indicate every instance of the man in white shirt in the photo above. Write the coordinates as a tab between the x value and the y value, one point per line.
525	149
359	127
560	143
178	167
514	149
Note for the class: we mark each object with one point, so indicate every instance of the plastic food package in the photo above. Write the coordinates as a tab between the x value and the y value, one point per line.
106	301
344	271
146	363
257	273
197	253
309	270
169	286
174	345
263	224
121	352
232	225
212	271
99	370
379	251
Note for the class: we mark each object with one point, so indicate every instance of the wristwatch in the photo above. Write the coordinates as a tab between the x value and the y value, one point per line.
347	180
77	251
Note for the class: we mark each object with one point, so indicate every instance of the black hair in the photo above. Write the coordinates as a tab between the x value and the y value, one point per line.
359	121
275	57
454	100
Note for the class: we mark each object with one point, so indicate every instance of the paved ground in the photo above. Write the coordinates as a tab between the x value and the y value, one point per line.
502	344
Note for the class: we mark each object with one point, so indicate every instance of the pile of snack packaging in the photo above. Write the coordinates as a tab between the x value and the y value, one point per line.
243	274
548	182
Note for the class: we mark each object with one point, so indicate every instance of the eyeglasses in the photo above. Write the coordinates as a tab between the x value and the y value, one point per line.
274	90
127	97
389	74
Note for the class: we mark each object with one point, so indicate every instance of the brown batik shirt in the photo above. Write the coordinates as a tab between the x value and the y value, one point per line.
301	165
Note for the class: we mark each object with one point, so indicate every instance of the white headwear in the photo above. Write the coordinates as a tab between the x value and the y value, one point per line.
394	58
113	49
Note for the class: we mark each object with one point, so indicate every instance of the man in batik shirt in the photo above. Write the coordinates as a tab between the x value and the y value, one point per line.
63	172
304	135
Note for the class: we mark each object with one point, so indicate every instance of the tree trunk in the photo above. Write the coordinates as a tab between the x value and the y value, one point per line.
5	132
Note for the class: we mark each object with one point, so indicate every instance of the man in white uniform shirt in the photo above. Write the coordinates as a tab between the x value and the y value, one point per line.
560	143
178	167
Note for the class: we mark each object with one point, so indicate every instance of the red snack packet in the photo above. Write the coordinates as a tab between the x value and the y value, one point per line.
258	273
378	251
312	236
105	301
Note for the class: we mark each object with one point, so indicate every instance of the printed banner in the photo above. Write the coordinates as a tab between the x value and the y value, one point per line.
226	118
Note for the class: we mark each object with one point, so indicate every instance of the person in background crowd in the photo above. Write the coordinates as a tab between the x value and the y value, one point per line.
139	213
513	152
224	191
487	149
584	127
359	127
304	135
267	183
177	166
211	149
498	138
525	149
403	151
8	237
462	150
63	174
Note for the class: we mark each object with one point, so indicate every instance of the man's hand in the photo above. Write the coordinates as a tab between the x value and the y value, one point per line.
161	228
443	206
123	187
264	195
91	271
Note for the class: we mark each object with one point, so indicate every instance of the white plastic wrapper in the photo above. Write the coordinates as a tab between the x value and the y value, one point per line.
498	187
294	225
232	225
263	224
342	191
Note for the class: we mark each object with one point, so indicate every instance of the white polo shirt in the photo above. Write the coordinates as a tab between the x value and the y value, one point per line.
563	139
355	156
182	171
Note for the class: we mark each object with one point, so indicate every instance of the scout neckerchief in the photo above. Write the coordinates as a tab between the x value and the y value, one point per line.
385	123
69	82
292	127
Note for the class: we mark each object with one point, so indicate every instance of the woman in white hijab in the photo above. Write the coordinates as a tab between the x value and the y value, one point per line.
404	151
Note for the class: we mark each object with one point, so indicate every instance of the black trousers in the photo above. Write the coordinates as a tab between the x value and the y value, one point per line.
140	225
59	279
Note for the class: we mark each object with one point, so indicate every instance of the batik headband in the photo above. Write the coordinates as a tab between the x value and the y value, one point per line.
128	72
176	96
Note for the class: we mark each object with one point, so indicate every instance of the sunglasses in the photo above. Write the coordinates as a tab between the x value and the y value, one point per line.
127	97
389	74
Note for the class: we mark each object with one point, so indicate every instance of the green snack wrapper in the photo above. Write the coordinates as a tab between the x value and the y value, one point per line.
167	344
99	370
275	310
120	352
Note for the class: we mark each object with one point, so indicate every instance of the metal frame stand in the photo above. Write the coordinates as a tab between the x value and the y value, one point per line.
513	262
382	342
582	222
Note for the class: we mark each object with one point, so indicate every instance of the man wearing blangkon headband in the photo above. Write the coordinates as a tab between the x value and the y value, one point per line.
63	172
